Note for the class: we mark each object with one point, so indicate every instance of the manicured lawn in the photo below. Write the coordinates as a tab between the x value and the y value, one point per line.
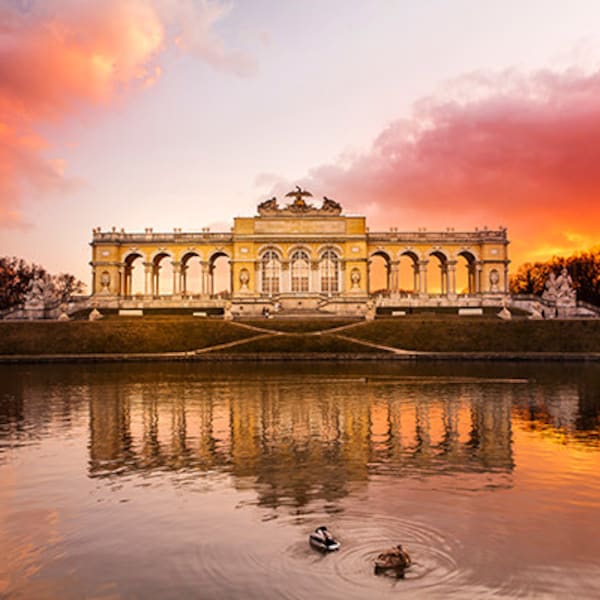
116	335
482	335
179	334
301	344
300	325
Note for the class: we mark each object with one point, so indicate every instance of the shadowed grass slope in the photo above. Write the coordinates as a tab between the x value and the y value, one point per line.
116	336
299	325
481	335
301	344
180	334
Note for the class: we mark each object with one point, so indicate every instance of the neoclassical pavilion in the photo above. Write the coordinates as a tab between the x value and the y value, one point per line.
301	257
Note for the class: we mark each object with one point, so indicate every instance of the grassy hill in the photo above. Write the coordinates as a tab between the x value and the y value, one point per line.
184	334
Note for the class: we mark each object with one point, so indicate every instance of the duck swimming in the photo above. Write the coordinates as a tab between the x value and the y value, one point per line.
395	558
321	538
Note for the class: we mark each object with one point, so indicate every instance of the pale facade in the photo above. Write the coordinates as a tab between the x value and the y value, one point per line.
302	258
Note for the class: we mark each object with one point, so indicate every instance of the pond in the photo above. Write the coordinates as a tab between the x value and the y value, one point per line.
204	481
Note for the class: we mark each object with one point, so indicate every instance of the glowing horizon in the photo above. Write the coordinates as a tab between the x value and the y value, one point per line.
184	113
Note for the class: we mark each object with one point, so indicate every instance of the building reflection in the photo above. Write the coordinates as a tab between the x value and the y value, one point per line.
292	439
297	440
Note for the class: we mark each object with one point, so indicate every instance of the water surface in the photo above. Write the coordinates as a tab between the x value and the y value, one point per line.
187	480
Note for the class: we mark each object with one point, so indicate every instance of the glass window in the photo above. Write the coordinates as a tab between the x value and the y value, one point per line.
300	270
271	270
329	267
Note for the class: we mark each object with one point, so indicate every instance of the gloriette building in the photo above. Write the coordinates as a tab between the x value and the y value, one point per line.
300	257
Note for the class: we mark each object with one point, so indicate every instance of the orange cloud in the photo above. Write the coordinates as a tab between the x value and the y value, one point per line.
521	151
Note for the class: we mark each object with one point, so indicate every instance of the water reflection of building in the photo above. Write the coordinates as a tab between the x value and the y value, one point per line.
299	440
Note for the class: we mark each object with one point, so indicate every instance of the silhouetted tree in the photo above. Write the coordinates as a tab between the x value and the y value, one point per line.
16	275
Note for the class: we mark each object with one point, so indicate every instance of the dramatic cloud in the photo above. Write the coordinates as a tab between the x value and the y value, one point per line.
59	55
521	151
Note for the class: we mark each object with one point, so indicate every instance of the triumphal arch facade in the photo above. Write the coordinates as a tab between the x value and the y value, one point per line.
299	257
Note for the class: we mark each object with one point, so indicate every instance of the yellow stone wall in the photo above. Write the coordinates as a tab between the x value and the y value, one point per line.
250	236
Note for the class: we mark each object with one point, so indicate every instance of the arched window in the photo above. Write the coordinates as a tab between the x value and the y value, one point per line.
300	269
329	268
271	269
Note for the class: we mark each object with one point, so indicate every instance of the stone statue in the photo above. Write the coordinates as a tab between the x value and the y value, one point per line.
494	280
244	280
505	314
371	310
565	292
331	206
105	282
536	312
268	205
355	279
550	292
299	204
95	315
63	316
227	311
36	292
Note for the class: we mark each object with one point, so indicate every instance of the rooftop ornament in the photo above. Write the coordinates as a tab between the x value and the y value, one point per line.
299	206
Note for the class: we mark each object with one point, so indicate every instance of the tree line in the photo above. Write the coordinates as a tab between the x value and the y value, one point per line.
583	267
16	276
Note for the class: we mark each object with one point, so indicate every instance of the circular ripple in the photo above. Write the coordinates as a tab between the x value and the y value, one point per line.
433	553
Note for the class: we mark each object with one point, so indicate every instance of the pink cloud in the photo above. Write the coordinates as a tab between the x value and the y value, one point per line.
60	55
522	151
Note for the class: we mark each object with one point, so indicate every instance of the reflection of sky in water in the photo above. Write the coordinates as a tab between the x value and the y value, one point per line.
480	470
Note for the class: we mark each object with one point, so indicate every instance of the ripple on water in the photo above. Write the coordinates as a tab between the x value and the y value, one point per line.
351	568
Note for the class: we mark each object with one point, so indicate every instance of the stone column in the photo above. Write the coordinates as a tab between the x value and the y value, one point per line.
122	280
204	278
423	277
394	275
156	281
257	277
176	278
416	278
148	280
285	284
443	279
478	271
505	279
313	280
452	278
183	279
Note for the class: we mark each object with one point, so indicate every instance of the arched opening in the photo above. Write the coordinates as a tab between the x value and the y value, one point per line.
270	265
437	283
191	275
329	272
408	273
379	273
465	273
133	274
300	271
162	273
220	275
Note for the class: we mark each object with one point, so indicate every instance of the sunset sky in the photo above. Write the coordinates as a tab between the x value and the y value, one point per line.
186	113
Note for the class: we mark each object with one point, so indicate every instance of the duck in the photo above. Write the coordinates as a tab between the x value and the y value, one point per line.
321	538
395	558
